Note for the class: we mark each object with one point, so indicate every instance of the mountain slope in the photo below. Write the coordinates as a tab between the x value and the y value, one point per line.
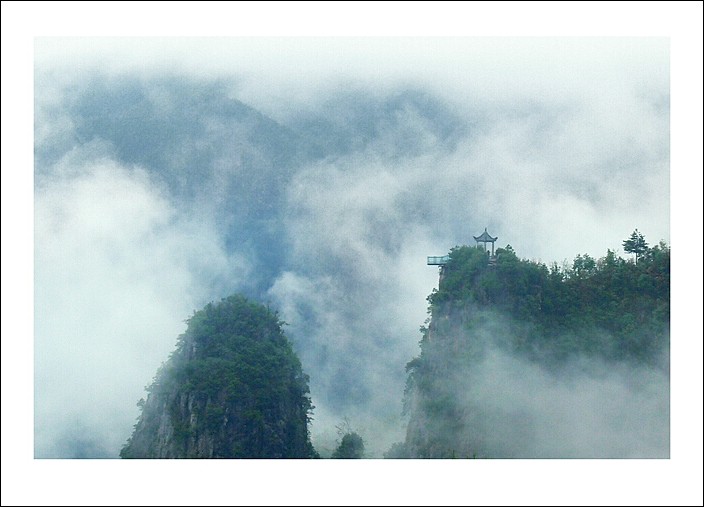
518	357
233	388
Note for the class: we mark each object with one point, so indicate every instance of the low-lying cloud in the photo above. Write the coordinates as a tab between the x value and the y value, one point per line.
159	189
517	409
116	274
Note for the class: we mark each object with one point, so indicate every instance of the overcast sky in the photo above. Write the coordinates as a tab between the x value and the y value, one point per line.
561	146
572	111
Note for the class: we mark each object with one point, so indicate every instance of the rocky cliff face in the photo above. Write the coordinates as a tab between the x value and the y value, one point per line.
522	361
232	389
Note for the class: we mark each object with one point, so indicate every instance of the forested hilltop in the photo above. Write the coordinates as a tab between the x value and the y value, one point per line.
500	325
233	388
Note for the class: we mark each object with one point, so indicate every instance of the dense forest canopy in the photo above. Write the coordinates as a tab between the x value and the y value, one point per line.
566	306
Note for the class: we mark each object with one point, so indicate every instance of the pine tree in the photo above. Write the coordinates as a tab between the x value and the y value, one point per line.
635	244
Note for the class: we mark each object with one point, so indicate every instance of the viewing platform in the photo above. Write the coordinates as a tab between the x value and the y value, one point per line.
485	237
438	261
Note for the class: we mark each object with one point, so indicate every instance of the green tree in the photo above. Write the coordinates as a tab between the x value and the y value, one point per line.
635	244
583	265
351	447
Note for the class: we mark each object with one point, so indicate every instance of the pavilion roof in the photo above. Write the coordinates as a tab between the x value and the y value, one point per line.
485	237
